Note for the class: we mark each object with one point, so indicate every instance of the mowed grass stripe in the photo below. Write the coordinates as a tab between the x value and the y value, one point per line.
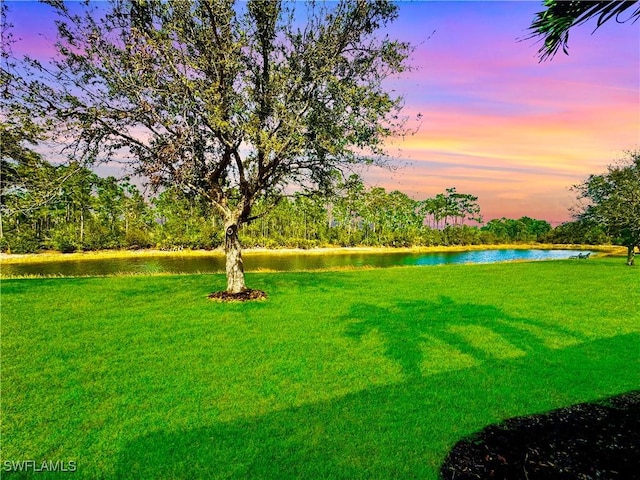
357	374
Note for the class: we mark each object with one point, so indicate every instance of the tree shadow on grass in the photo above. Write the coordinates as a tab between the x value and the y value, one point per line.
425	338
402	430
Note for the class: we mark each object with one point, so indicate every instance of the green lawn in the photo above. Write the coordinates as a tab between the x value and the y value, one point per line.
352	374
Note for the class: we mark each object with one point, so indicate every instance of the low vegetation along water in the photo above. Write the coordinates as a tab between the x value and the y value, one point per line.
281	262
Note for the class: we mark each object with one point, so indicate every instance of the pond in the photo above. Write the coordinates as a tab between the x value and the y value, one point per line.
273	261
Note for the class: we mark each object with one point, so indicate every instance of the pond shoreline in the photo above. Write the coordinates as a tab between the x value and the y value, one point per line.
52	256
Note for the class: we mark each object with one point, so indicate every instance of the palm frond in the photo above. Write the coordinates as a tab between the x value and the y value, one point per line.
552	25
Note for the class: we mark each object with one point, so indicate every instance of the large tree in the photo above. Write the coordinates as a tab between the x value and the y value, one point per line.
613	201
230	102
553	24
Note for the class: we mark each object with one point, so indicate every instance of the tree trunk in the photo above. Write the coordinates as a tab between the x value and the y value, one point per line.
235	266
82	227
631	253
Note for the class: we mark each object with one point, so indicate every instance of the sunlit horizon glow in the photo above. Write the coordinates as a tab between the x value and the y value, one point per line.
495	122
498	124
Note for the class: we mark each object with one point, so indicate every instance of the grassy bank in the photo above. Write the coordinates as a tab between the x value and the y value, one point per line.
356	374
52	256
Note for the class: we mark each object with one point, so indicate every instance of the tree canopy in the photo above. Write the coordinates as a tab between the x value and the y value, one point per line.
613	201
554	24
231	102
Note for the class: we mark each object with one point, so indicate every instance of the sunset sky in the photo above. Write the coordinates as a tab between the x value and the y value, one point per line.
496	123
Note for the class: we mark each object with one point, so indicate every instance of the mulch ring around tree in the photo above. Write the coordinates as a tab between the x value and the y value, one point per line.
581	442
245	295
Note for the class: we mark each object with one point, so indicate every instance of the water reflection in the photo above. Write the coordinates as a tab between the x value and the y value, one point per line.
273	261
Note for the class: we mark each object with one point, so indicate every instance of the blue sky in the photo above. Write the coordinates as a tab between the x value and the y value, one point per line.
496	123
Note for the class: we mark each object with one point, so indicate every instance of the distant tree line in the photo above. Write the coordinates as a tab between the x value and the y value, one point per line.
69	208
